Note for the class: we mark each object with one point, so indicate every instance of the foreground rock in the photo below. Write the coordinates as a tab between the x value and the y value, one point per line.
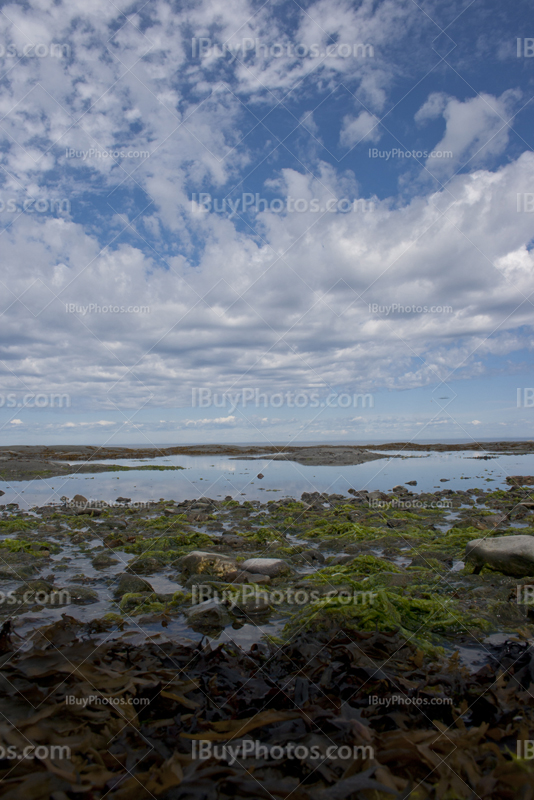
511	555
207	615
200	562
130	584
273	567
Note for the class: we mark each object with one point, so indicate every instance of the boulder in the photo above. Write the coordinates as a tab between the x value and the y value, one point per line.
144	565
81	595
200	562
209	614
103	560
131	584
511	555
273	567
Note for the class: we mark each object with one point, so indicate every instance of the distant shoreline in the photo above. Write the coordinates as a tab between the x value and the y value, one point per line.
27	462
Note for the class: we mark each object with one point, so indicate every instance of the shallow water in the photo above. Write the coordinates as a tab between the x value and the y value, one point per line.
219	476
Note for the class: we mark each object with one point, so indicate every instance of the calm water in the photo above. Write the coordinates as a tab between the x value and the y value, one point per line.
219	476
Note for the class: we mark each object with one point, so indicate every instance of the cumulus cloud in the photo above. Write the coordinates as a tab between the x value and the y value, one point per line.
477	129
363	128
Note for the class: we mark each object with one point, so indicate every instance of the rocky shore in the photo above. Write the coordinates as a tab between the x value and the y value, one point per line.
344	599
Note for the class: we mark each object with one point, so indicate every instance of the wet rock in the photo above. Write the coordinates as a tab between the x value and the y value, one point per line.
123	500
273	567
232	540
144	565
371	496
103	560
398	578
343	558
520	480
511	555
208	615
260	476
249	577
81	595
78	499
258	603
411	483
309	558
128	584
202	562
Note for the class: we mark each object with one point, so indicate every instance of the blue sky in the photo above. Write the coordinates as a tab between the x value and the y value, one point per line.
329	201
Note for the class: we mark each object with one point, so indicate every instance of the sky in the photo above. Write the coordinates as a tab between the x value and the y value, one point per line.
230	221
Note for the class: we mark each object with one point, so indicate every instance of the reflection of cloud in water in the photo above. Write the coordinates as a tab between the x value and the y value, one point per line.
218	476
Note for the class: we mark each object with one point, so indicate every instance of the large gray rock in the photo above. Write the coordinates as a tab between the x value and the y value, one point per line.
129	584
273	567
81	595
200	562
209	614
511	555
144	565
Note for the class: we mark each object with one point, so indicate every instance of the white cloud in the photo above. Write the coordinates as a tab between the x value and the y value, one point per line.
477	129
363	128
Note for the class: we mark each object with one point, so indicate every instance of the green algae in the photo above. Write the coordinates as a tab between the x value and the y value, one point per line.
32	548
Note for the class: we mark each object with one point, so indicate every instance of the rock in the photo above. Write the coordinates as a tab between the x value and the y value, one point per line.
81	595
520	480
411	483
232	540
2	493
78	499
209	614
343	558
273	567
260	476
123	500
249	577
258	603
103	560
511	555
144	565
397	578
444	480
200	562
399	488
377	496
310	557
130	584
